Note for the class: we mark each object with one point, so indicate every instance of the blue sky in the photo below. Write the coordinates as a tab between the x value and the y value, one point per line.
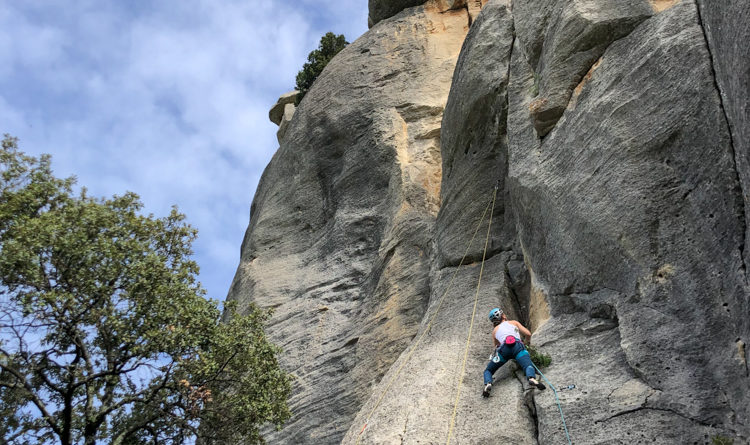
168	99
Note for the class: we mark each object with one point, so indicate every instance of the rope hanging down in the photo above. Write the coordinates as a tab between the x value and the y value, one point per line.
557	399
471	325
429	324
468	341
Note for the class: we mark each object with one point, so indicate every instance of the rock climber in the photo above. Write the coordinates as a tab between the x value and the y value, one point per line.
507	340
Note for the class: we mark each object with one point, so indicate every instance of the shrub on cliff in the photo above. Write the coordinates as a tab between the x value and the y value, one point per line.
105	336
540	359
330	45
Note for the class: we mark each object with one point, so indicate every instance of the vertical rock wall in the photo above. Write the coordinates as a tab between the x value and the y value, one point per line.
726	24
339	235
619	209
615	133
433	391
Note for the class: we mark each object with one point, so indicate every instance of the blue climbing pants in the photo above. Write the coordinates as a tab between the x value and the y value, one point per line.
505	353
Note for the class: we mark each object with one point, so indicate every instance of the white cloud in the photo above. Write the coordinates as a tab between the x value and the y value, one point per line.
169	100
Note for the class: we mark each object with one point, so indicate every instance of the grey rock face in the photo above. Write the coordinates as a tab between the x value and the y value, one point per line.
618	230
727	28
418	394
473	137
286	118
564	39
726	25
276	113
339	236
631	193
383	9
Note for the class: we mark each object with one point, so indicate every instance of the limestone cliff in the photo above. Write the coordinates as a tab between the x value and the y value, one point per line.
616	133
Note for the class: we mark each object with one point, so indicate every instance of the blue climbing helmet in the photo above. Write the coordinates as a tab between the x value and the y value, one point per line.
496	315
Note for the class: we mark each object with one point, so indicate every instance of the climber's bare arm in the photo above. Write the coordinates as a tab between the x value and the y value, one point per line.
521	329
494	339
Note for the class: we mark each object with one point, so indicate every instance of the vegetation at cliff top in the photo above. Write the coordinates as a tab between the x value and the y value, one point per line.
105	336
330	45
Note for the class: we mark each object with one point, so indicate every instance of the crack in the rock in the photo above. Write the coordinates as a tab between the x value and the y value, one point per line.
714	76
667	316
582	75
530	402
572	332
742	355
529	395
594	290
652	408
403	436
610	394
522	308
471	259
535	419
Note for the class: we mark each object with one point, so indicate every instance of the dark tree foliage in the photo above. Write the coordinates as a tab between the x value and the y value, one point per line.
105	336
330	45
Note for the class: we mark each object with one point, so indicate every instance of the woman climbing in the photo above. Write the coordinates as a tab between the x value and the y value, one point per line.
508	345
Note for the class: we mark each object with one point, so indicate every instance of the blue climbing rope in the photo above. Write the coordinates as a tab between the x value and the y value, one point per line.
557	399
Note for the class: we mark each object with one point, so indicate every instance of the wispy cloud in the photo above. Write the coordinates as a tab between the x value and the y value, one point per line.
166	99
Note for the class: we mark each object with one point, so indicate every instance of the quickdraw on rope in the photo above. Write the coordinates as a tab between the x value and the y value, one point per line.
471	325
429	324
557	399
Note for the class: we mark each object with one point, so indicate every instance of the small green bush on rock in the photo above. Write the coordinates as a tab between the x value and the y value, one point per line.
540	359
721	440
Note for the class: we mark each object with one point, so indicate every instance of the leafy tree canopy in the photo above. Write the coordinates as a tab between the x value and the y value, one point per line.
330	45
105	336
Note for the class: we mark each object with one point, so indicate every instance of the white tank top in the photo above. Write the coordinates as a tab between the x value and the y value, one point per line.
505	329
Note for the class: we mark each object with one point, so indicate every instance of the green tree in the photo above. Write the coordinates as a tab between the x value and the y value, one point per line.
105	336
330	45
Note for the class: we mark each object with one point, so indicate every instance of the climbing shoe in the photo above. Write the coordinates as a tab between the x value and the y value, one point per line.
534	382
487	389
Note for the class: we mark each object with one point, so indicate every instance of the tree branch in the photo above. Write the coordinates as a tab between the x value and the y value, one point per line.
34	397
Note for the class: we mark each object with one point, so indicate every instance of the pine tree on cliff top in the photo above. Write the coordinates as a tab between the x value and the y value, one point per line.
330	45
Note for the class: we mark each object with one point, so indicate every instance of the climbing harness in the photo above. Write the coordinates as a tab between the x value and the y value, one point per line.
432	318
557	399
471	325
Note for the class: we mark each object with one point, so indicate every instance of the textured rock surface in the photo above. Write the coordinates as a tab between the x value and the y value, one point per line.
418	406
276	113
727	28
618	230
630	194
727	25
565	38
474	143
577	34
339	237
383	9
286	118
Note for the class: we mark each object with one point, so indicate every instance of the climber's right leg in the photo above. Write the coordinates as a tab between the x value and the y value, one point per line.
496	361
